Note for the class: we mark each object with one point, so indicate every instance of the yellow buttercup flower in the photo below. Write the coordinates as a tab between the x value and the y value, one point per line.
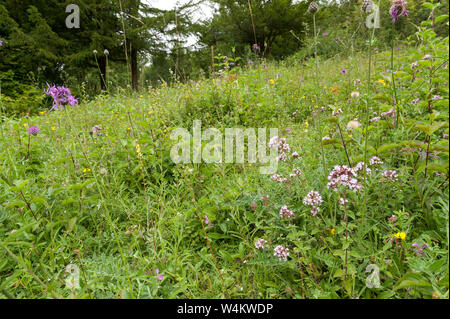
333	231
272	81
382	82
400	235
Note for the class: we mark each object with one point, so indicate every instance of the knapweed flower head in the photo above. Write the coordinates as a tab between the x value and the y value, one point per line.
281	252
343	71
255	47
343	176
33	130
260	243
415	101
313	7
398	9
61	96
286	212
414	65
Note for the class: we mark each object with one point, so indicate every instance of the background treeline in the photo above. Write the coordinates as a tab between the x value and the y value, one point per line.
129	44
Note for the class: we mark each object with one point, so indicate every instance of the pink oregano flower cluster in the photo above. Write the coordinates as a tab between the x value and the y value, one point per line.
285	212
279	251
282	146
314	200
343	176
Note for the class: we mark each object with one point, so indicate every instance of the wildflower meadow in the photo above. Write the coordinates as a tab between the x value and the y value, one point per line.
321	173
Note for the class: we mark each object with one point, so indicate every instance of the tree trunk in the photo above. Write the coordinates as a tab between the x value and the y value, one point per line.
102	67
134	68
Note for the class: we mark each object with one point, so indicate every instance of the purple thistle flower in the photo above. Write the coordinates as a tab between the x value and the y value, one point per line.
343	71
255	47
61	96
398	9
34	130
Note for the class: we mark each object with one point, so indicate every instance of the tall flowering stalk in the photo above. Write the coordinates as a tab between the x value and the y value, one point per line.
397	10
367	7
313	9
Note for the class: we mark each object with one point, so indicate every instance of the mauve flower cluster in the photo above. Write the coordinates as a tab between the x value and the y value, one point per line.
390	175
360	166
61	96
345	176
281	252
375	161
391	112
419	250
282	145
286	212
260	243
314	200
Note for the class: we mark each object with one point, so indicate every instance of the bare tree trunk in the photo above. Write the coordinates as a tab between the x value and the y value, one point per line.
102	67
134	69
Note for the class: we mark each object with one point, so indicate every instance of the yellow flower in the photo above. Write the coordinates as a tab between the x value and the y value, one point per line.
272	81
141	96
350	135
25	124
382	82
306	123
41	113
400	235
53	128
332	231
